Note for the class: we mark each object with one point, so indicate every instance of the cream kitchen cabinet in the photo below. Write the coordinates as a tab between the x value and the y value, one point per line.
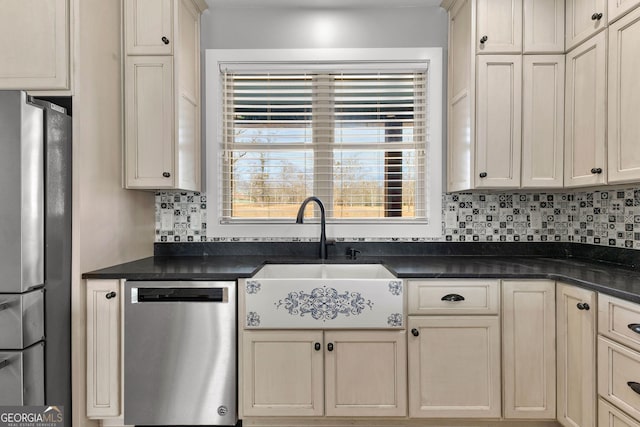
543	26
103	348
149	27
529	349
624	100
315	373
543	121
584	18
499	121
576	356
499	26
610	416
35	44
454	355
618	8
162	97
585	114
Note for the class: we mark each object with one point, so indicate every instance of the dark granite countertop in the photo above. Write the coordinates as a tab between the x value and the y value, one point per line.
605	277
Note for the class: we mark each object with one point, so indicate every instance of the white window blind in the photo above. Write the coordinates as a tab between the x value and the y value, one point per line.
356	139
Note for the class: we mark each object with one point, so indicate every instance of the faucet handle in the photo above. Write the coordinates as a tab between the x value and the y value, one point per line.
352	253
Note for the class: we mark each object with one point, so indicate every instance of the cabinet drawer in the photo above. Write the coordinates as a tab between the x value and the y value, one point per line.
619	320
610	416
619	376
21	319
453	296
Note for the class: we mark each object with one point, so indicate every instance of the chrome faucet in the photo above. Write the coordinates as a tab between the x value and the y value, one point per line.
323	233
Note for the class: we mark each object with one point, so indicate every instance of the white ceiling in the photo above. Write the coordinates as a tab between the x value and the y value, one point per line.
305	4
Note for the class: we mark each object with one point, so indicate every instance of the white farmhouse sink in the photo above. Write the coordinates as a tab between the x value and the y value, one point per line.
323	271
323	296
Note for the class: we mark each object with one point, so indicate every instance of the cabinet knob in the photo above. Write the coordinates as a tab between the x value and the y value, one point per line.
452	298
634	386
583	306
596	16
110	295
635	327
596	170
483	174
166	174
317	346
330	346
165	40
483	39
415	332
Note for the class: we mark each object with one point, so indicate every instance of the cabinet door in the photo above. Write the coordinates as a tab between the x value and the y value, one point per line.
499	27
529	348
583	19
624	99
376	387
585	114
103	348
543	121
149	122
454	365
576	357
498	137
619	376
149	27
461	102
34	41
282	373
617	8
543	26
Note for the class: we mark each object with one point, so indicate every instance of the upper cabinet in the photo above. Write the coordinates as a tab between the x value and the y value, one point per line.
162	94
149	27
499	27
543	26
34	41
584	18
624	99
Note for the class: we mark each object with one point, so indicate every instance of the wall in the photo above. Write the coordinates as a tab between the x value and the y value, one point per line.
110	225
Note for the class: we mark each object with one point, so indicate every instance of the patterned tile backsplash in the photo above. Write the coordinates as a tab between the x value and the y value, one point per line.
607	217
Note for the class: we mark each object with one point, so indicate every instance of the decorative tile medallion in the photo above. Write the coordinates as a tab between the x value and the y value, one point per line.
324	303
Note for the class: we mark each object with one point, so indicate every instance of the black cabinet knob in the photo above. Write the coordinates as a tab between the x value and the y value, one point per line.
635	327
483	174
166	174
317	346
596	170
330	346
483	39
415	332
165	40
583	306
452	298
110	295
596	16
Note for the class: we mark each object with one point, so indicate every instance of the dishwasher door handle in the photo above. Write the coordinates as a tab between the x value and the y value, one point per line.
191	295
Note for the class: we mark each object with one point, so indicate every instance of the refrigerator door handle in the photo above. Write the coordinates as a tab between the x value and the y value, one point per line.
4	305
4	363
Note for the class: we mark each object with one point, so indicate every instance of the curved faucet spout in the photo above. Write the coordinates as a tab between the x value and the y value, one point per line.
323	233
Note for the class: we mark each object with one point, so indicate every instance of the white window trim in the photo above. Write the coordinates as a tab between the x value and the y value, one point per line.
213	128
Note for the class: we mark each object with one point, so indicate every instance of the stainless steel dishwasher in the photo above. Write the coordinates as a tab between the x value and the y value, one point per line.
180	353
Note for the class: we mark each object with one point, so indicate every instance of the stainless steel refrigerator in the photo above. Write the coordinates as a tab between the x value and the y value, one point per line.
35	252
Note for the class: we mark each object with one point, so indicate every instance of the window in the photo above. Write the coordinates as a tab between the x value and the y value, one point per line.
360	132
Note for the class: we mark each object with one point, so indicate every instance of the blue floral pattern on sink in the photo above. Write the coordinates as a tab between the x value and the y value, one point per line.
252	286
395	287
253	319
324	303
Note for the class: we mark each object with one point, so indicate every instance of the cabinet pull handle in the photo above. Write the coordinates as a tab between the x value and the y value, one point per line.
166	174
110	295
634	386
596	16
596	170
452	298
484	39
4	363
330	346
635	327
483	174
583	306
317	346
4	305
165	40
415	332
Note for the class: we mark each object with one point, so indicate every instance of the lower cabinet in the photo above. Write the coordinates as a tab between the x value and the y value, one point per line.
610	416
103	348
454	366
315	373
576	358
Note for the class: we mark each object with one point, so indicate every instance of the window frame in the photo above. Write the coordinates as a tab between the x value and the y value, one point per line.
214	60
